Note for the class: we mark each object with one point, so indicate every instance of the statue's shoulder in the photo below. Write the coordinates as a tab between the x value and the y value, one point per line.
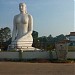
16	15
29	15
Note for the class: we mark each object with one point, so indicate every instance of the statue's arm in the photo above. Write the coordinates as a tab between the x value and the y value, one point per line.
30	25
14	30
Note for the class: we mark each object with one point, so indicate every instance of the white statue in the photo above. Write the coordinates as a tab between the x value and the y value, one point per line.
22	29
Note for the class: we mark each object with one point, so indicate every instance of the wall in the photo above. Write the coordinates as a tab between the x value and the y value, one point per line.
9	55
72	38
36	55
25	55
71	55
33	55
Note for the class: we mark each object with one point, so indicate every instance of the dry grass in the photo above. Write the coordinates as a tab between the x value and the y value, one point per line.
23	68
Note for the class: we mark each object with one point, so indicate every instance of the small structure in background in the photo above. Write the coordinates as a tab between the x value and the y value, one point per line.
71	43
61	49
66	45
71	36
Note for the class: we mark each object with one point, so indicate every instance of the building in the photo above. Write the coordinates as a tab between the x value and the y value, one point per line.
65	46
71	43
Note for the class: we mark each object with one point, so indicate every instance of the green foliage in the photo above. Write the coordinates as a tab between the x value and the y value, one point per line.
47	43
35	39
35	34
5	35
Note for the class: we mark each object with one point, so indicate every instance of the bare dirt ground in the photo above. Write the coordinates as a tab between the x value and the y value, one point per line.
23	68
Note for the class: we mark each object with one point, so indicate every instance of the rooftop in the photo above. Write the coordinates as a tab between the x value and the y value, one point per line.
72	34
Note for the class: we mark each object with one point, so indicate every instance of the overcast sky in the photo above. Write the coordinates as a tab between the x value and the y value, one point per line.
50	16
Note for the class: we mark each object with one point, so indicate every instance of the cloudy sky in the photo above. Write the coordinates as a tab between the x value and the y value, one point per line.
50	16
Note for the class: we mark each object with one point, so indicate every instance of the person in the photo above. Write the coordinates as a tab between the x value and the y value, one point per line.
22	28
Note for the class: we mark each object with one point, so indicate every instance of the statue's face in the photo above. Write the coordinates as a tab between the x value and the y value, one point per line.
22	7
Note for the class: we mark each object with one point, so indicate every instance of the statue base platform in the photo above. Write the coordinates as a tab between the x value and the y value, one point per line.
22	48
27	49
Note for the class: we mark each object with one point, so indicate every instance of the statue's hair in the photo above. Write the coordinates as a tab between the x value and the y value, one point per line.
23	4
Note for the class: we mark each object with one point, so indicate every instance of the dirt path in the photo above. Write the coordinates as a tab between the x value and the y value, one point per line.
22	68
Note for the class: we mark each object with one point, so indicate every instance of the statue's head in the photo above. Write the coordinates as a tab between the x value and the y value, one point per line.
22	7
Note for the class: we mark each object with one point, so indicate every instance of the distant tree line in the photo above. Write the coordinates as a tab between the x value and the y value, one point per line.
46	42
43	42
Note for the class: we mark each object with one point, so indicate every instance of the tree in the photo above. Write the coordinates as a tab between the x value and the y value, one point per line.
49	38
35	34
35	39
5	35
48	43
60	37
